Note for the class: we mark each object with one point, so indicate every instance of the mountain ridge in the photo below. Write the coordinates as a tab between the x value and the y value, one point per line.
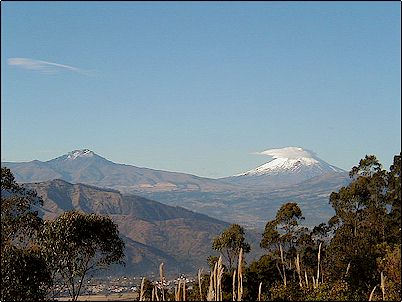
85	166
153	232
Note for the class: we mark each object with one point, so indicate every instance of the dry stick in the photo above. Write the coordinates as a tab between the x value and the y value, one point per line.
283	265
177	291
180	290
220	287
234	286
347	269
305	275
220	274
313	282
153	294
259	292
297	262
161	277
215	280
218	279
372	292
199	282
383	285
184	290
318	267
142	289
176	298
156	293
240	276
220	284
210	295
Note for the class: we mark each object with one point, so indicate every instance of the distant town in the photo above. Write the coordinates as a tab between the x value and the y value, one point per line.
105	286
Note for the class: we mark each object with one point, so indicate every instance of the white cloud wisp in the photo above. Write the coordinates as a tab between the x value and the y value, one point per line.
42	66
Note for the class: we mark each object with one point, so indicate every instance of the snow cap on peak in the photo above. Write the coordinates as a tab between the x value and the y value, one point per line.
289	153
80	153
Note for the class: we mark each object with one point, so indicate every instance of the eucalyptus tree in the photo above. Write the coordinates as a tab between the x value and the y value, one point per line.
24	273
229	243
285	230
76	245
367	216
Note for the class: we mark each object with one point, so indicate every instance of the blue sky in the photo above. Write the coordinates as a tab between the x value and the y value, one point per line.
197	87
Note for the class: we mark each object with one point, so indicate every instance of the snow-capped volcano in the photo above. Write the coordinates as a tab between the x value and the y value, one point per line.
292	160
73	156
290	165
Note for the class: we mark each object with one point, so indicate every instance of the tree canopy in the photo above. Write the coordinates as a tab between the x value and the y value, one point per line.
24	273
229	243
38	256
284	230
76	244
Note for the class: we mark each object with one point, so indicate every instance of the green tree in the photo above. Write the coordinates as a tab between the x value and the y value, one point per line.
284	229
19	221
362	223
24	274
390	265
393	222
229	243
262	270
77	244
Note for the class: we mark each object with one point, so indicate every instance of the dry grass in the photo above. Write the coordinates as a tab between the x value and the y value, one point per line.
199	282
162	280
180	291
142	289
383	285
215	282
240	276
297	263
372	293
215	292
318	266
234	286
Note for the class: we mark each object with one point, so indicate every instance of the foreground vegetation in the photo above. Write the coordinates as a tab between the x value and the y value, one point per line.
40	258
356	255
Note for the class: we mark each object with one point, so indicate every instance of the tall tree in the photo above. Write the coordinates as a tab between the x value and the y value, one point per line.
284	229
19	220
360	215
394	200
229	243
77	244
24	274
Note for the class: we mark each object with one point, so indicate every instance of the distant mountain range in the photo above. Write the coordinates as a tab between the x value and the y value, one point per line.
250	198
153	232
84	166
